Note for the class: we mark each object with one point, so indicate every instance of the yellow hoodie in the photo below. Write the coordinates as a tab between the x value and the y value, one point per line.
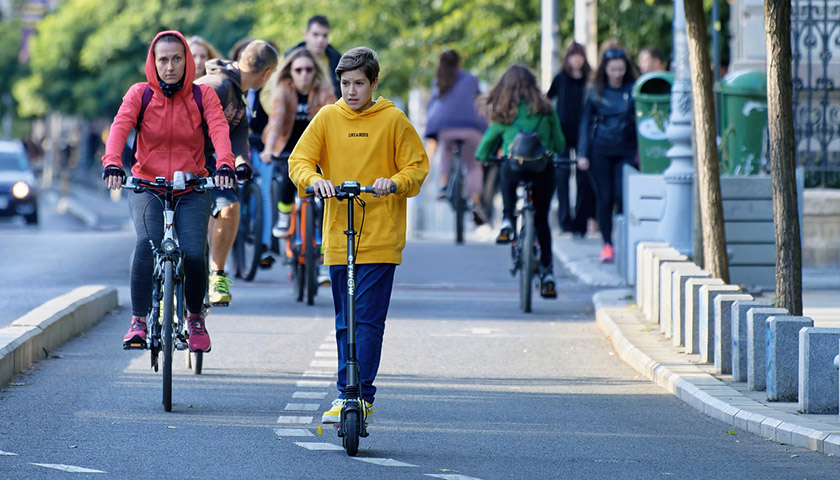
362	146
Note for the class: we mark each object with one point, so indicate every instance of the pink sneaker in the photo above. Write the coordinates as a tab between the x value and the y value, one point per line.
199	340
607	254
136	336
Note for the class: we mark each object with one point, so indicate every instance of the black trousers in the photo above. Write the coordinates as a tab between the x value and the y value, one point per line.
543	191
585	201
606	172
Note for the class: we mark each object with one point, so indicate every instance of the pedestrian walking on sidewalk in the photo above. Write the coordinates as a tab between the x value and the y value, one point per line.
608	137
567	90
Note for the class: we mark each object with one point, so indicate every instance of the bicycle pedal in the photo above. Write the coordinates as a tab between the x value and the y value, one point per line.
134	345
220	304
181	346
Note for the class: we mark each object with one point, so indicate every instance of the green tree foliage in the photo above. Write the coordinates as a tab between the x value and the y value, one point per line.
88	52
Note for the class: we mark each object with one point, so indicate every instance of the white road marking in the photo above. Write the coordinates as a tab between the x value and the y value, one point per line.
313	383
67	468
294	419
293	432
302	407
322	363
485	331
385	462
319	373
449	476
310	395
319	446
7	454
326	354
327	346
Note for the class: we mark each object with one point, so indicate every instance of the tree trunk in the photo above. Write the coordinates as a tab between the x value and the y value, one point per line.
782	156
705	133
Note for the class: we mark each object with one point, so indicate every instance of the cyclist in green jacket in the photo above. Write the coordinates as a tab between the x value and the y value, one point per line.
516	104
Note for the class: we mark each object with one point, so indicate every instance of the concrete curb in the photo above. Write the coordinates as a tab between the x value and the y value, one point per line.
32	336
639	345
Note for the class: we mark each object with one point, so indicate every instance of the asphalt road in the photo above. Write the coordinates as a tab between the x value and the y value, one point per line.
469	388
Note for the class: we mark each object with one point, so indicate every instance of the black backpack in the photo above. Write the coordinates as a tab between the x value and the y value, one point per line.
527	152
147	98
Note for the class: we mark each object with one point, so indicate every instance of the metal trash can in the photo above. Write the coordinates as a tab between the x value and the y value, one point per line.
652	96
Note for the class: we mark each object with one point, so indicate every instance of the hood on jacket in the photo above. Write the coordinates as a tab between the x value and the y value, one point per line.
189	70
217	66
379	105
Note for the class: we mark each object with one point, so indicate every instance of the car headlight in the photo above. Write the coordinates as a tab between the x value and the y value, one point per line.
20	190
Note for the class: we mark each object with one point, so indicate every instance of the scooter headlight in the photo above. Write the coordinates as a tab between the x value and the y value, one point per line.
168	245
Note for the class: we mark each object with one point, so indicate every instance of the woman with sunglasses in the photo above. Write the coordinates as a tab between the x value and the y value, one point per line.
608	136
300	89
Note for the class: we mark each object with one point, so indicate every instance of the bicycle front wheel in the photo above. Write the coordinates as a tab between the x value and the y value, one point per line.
248	244
310	252
167	336
527	260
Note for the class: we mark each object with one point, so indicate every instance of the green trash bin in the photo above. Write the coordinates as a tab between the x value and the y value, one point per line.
652	96
743	99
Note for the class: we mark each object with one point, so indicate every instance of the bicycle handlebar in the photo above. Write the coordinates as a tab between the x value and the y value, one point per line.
189	180
555	160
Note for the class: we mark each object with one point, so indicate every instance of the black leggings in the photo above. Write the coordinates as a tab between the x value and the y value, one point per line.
192	212
543	191
287	188
606	172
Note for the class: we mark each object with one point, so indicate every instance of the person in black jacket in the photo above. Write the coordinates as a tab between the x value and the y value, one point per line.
567	91
316	40
608	136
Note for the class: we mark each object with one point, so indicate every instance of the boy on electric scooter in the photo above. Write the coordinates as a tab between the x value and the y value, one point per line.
373	143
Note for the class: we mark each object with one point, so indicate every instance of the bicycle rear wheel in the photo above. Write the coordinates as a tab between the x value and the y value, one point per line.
310	252
167	337
527	260
249	237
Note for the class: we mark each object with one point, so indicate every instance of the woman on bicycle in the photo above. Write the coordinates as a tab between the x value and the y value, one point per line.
202	51
452	116
515	104
608	136
299	91
170	139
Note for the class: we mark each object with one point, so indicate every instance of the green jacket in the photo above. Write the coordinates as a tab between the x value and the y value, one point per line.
549	131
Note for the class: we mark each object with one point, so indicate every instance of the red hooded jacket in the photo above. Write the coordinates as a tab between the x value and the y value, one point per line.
171	138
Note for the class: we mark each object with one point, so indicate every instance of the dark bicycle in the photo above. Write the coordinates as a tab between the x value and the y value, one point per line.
247	248
353	423
303	246
455	191
167	320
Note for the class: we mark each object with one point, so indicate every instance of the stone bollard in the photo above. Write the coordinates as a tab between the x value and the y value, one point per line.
666	297
739	336
783	356
722	313
692	311
658	257
642	283
706	320
757	345
818	382
679	301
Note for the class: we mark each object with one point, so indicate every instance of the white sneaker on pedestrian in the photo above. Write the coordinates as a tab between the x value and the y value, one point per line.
281	228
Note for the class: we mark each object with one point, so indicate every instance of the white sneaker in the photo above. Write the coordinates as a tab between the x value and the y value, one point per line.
324	275
281	228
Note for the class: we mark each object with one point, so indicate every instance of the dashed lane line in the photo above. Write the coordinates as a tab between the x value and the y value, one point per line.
322	363
313	383
384	462
319	374
67	468
293	432
310	395
450	476
326	354
294	420
319	446
302	407
7	454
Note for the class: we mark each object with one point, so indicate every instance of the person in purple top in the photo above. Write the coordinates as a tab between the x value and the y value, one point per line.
452	116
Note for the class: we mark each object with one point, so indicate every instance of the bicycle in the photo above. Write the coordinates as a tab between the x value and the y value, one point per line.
167	328
455	193
303	246
352	424
247	247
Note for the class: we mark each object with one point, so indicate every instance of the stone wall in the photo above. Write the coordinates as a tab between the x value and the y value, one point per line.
821	228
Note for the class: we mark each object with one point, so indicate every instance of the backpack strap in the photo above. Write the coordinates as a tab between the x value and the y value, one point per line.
147	98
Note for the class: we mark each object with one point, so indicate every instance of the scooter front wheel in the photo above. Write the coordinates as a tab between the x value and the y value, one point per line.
350	440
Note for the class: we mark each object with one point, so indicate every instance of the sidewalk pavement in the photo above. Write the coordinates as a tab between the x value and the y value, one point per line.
640	344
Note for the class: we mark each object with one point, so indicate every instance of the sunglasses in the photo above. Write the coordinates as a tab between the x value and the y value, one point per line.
613	53
304	69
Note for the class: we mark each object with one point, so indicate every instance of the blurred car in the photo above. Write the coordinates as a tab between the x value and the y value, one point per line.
18	190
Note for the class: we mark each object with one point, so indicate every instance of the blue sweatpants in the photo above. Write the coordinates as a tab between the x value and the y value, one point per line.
373	296
265	172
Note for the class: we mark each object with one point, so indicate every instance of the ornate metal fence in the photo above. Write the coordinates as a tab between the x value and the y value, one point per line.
815	32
